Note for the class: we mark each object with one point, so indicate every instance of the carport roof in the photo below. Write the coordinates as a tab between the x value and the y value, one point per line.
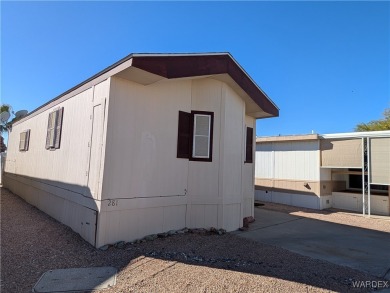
315	136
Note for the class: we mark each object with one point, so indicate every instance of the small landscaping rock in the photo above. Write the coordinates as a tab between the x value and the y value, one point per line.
104	247
198	231
183	231
213	230
150	237
172	232
119	245
221	231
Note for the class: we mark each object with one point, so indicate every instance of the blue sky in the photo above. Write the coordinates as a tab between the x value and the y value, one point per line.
325	64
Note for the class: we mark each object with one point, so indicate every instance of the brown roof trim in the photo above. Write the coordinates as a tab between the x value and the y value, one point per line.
178	66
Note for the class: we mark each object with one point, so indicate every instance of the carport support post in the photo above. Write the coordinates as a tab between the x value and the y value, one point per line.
363	181
366	190
368	175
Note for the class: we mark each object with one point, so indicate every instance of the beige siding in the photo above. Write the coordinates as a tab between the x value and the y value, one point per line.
205	201
56	181
292	160
296	186
264	160
78	217
43	164
204	215
118	157
67	167
129	225
248	172
231	158
142	175
297	160
141	143
206	95
354	202
233	145
325	173
341	153
380	160
145	186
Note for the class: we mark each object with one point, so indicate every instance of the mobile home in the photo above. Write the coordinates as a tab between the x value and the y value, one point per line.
154	142
349	171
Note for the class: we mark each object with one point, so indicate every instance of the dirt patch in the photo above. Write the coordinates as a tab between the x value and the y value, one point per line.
33	243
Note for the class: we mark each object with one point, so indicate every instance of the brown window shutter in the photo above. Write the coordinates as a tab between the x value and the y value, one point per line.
58	128
26	144
249	145
49	130
184	135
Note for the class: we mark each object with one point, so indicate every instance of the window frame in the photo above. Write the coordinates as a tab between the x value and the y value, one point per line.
51	128
190	153
54	129
195	114
26	141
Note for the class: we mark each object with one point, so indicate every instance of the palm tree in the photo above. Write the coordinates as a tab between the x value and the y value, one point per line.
3	147
4	126
381	124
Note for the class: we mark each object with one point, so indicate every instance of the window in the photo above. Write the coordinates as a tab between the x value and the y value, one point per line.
54	127
355	182
195	136
24	140
201	136
249	145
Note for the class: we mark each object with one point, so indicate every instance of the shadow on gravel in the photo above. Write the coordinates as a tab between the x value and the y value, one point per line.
359	248
33	243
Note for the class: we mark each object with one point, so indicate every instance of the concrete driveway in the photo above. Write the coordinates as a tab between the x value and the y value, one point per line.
361	249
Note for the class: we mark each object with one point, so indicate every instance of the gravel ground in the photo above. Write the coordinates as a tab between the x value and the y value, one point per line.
378	223
33	243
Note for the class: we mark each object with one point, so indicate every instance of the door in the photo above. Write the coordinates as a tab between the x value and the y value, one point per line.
96	150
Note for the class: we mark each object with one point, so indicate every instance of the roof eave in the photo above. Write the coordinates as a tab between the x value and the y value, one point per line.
187	65
177	65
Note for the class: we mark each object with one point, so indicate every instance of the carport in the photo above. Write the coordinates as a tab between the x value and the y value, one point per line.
364	155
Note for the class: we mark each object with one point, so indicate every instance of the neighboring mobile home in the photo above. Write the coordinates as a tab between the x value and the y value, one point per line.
323	171
154	142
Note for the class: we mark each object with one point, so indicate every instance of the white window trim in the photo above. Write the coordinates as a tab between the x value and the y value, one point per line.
199	135
25	141
53	129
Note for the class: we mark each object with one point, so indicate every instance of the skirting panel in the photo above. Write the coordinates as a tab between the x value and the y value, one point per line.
81	219
354	202
298	200
130	225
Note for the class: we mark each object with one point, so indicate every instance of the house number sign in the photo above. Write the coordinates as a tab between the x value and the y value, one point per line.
113	202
